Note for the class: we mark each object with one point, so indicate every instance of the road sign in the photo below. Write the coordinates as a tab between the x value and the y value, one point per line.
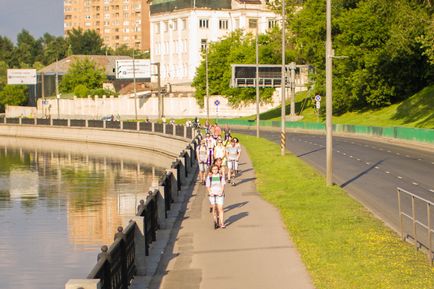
124	68
21	76
217	102
318	97
318	105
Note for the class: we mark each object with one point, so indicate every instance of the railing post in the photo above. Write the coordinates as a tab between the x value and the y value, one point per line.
413	211
161	207
400	215
164	128
174	129
139	246
86	123
173	184
51	121
430	256
20	120
137	126
121	124
35	121
185	131
69	122
153	126
104	124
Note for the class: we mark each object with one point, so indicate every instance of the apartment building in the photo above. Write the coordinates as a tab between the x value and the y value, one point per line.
181	29
117	21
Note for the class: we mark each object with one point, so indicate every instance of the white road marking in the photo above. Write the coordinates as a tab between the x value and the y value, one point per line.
399	177
407	156
368	163
358	159
377	168
389	151
432	191
344	154
414	183
398	154
387	172
351	156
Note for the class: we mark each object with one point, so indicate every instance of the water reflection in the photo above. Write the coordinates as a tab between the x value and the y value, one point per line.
57	208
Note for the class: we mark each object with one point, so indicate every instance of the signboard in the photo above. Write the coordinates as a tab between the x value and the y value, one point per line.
318	97
269	75
217	102
21	76
318	105
124	68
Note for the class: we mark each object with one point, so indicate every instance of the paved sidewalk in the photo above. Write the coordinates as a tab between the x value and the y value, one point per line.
253	252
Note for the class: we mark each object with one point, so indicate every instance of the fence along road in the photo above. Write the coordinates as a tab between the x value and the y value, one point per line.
370	171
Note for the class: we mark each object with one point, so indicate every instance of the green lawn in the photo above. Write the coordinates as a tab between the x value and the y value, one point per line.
341	243
416	111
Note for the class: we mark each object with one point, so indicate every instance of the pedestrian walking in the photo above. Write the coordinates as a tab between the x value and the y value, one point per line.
215	184
202	156
232	155
210	144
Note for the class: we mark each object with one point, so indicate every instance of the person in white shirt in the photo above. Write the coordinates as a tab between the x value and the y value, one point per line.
215	183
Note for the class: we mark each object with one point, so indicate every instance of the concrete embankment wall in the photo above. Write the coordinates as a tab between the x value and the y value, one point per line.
166	144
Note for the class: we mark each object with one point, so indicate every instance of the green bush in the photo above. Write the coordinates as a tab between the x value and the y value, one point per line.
13	95
81	90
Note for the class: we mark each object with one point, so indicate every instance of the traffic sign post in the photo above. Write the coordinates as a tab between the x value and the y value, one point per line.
21	76
217	103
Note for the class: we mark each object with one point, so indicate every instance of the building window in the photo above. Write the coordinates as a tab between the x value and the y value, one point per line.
157	28
223	24
203	23
272	23
165	26
183	24
203	44
237	23
253	23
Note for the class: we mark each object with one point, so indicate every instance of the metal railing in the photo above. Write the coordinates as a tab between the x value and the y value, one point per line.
168	129
115	267
415	222
149	211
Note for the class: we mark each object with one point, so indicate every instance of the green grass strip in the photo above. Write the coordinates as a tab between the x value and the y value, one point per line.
341	243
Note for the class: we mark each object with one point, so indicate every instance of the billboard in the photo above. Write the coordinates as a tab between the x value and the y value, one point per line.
21	76
125	68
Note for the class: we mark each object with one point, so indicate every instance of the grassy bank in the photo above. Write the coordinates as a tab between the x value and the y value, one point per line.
341	243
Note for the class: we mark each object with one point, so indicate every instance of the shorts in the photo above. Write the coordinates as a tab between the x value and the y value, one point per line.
216	200
203	167
233	165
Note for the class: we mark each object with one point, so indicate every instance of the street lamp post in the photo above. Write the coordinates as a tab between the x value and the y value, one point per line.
257	81
134	82
329	100
207	82
57	89
283	85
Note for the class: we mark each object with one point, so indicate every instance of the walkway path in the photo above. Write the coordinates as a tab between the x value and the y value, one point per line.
253	252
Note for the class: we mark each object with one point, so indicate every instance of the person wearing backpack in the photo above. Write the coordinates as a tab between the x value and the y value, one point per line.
215	184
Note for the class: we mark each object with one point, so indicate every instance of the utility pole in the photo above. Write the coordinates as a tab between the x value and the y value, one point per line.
207	82
283	84
134	82
292	67
257	81
160	110
329	100
57	89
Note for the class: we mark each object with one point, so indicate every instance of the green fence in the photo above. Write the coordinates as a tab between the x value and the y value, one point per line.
413	134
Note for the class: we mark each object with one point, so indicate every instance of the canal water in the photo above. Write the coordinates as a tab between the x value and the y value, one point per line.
57	207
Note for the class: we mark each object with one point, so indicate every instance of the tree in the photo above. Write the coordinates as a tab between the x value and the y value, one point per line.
13	95
28	49
125	50
7	51
82	72
54	48
3	74
87	42
235	48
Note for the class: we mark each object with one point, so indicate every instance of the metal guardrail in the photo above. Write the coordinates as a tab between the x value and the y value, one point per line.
115	267
404	133
415	222
168	129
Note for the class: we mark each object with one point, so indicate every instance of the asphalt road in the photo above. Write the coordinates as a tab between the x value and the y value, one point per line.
370	172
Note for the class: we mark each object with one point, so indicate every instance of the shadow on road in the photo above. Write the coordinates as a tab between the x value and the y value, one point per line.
234	206
361	174
232	219
314	151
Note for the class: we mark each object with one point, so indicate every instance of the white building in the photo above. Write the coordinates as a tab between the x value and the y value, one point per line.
180	30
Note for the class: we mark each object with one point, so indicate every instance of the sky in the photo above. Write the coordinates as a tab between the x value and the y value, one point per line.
36	16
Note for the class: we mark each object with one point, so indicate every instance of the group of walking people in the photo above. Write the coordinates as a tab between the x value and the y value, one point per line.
218	158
